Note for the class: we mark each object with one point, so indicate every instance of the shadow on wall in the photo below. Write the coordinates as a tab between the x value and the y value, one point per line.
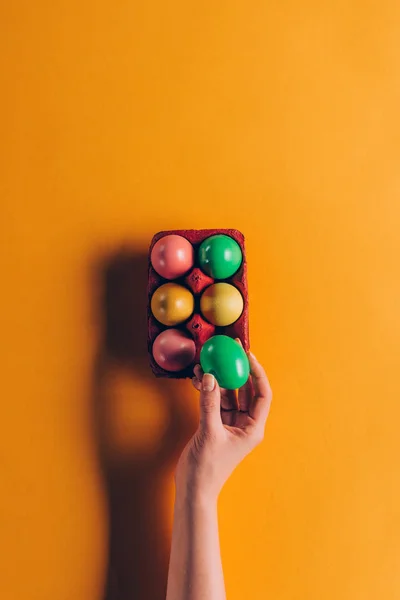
142	424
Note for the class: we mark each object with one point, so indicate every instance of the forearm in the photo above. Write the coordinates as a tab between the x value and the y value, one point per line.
195	570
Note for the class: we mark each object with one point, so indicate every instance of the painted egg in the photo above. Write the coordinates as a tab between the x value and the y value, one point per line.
224	357
220	256
172	304
172	256
221	304
174	350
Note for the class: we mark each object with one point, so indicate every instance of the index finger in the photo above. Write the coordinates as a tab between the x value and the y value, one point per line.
260	406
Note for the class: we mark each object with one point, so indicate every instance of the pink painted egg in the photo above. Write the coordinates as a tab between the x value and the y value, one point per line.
172	256
174	350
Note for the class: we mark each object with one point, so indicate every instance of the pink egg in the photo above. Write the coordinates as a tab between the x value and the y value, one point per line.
172	256
173	350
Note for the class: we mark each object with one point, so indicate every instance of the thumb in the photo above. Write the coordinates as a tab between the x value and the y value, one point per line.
210	403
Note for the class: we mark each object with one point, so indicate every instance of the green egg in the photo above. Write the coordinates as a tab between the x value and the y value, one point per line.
224	357
220	256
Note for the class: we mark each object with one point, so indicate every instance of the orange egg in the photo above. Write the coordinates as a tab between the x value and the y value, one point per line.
221	304
172	304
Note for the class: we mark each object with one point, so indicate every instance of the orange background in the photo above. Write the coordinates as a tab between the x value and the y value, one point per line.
280	119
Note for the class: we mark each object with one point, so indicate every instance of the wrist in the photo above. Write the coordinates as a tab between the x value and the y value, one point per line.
187	497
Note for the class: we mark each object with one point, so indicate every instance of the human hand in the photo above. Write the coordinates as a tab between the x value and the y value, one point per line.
231	425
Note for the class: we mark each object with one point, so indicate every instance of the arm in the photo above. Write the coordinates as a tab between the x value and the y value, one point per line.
195	569
230	427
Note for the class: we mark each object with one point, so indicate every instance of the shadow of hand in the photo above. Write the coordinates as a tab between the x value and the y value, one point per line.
142	424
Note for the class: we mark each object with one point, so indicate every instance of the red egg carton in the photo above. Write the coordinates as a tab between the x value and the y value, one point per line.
196	280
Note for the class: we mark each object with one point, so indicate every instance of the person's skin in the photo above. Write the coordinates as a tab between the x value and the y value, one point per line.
231	425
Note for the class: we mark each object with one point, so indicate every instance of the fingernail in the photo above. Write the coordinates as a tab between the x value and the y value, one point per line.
252	355
239	341
208	382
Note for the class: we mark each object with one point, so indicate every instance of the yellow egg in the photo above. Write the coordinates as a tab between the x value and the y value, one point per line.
172	304
221	304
